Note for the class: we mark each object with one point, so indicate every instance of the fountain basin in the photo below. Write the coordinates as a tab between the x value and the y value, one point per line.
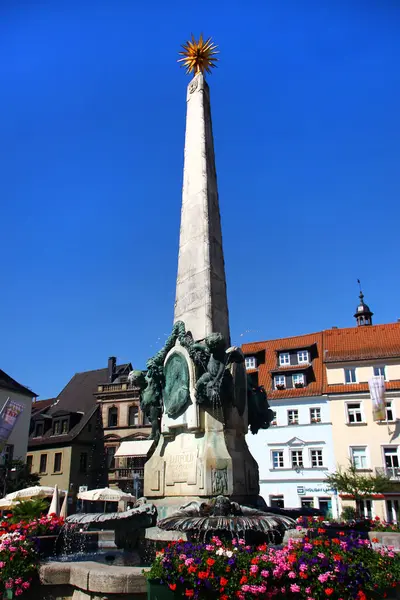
89	580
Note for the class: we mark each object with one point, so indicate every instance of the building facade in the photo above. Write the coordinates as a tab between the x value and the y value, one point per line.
66	445
123	423
352	357
318	387
17	442
296	452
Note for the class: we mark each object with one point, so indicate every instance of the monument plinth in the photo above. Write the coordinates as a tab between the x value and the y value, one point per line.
195	391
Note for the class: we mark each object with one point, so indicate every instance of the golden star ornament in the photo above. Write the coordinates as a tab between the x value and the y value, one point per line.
198	56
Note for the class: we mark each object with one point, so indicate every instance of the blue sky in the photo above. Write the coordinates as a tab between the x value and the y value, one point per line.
307	132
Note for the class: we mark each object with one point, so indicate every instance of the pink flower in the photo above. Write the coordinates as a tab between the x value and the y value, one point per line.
189	561
323	577
18	581
294	587
245	588
12	549
2	564
209	547
18	591
292	575
26	585
264	573
303	567
308	590
242	542
9	584
253	569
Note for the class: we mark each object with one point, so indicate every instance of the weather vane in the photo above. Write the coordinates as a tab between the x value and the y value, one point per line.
198	56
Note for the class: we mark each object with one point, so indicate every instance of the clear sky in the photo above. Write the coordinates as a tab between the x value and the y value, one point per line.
306	122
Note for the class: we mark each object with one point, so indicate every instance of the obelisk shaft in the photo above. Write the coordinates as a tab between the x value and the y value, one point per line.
201	299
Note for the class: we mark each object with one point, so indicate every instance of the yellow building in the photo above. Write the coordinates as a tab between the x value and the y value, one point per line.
66	444
352	357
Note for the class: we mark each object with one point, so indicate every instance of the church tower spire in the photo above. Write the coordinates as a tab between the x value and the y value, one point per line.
363	313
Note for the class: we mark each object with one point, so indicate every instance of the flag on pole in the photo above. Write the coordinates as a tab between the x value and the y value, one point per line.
8	417
377	391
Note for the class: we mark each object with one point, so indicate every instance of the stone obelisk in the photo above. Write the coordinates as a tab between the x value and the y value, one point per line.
201	450
201	299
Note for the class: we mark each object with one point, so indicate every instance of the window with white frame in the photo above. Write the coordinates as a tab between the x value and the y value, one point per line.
280	382
365	508
315	415
277	459
293	417
350	375
302	357
354	413
284	358
391	459
389	411
274	421
380	372
297	458
316	458
251	362
298	379
359	457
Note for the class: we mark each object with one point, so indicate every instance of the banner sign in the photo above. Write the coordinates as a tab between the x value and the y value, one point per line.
8	417
377	391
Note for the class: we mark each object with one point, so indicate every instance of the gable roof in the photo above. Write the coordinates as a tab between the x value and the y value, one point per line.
362	343
77	397
8	383
272	347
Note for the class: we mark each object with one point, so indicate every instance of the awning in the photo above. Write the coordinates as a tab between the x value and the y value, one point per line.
134	448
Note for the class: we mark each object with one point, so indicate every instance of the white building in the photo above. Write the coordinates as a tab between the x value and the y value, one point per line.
296	453
17	443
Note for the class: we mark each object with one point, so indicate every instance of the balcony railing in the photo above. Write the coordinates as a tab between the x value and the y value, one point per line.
125	473
391	472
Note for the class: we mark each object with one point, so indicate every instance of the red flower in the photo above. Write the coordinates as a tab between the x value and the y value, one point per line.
202	574
341	533
361	595
243	580
224	581
254	561
189	593
329	591
210	562
172	586
192	569
224	597
320	530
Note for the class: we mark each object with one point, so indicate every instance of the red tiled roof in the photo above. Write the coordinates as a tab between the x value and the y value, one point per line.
300	367
41	405
333	345
362	343
271	348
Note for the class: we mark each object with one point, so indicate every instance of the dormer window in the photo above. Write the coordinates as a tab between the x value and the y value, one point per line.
39	429
251	362
303	357
284	359
57	428
280	382
64	426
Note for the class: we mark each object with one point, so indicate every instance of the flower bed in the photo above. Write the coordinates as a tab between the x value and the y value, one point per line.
345	568
19	559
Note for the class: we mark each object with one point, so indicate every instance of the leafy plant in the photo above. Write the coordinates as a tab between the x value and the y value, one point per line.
28	510
16	476
358	485
348	513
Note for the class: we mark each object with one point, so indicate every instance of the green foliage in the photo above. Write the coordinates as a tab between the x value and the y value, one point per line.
348	513
28	510
357	484
17	477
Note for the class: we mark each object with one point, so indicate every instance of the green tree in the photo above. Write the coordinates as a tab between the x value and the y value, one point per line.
28	510
358	485
16	476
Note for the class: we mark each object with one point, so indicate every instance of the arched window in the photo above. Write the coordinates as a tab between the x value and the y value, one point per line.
113	416
133	416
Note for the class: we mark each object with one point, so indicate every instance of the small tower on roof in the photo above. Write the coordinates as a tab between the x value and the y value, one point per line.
363	313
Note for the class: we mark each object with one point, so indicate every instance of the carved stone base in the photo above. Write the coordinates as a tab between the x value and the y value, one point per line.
203	464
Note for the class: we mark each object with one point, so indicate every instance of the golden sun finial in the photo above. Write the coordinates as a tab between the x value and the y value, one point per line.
198	57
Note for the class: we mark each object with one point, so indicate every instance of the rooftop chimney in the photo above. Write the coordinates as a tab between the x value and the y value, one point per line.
334	326
112	361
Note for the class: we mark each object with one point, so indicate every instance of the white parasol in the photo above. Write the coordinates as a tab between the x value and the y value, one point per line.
64	508
55	503
37	491
106	495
